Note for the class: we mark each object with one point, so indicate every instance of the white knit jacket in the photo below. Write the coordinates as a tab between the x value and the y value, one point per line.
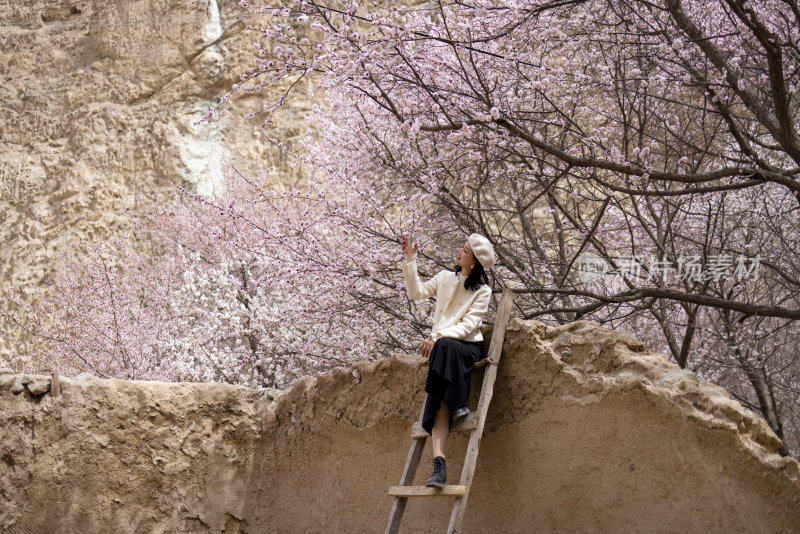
459	313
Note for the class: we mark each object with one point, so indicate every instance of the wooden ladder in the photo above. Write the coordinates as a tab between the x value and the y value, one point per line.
473	422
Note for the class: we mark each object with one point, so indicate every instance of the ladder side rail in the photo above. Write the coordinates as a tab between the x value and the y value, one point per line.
407	478
500	326
471	459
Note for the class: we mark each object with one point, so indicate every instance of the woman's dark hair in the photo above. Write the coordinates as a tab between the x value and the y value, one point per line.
476	276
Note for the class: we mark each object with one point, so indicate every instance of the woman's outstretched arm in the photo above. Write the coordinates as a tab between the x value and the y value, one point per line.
416	289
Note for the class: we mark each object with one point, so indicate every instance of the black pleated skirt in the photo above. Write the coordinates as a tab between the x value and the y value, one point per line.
449	369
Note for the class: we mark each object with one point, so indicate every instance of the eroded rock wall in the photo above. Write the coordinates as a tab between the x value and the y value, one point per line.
98	105
587	432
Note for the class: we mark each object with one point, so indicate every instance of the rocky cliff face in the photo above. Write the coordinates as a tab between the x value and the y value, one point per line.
587	432
98	101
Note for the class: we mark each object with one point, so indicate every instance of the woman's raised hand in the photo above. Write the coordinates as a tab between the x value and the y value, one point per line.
407	248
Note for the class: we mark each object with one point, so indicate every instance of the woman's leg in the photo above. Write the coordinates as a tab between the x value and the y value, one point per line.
441	427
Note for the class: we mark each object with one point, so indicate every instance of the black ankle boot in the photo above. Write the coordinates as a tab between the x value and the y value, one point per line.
439	477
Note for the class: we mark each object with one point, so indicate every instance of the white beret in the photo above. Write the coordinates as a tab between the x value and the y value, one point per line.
482	249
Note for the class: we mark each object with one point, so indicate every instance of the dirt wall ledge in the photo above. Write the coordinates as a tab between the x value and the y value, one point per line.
588	431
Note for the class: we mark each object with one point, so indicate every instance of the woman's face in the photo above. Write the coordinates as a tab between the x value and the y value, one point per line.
464	256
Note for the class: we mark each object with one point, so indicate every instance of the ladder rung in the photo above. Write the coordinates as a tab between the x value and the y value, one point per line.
424	491
470	422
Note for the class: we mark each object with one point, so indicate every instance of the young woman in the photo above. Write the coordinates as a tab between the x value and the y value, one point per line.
456	342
